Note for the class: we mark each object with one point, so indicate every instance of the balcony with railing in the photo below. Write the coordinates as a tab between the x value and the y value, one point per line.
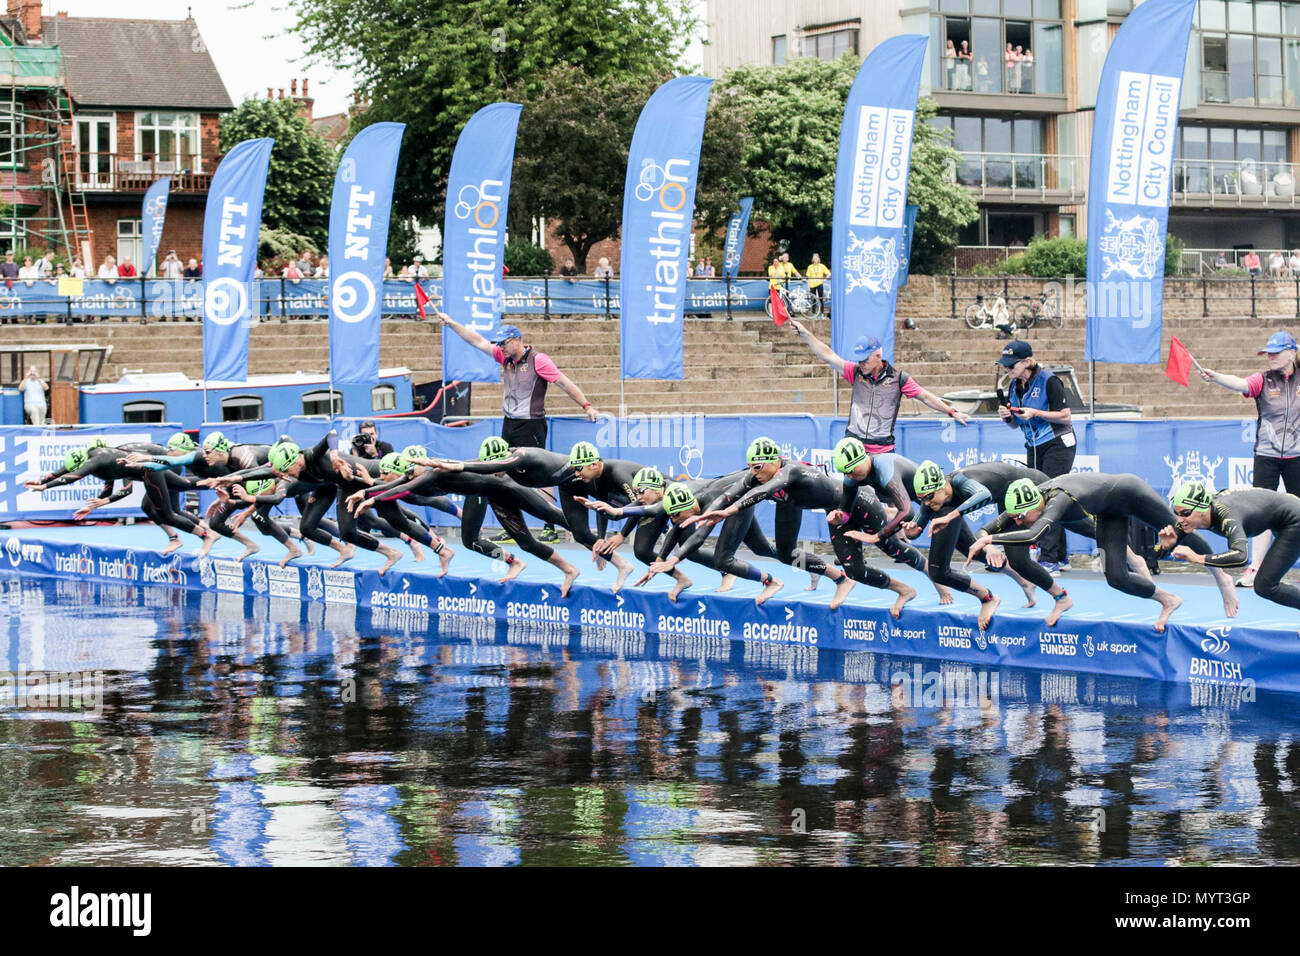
1024	177
133	173
1242	182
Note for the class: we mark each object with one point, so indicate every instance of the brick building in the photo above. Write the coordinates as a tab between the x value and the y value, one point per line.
100	108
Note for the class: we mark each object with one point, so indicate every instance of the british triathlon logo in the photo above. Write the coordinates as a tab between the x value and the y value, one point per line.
1216	640
1193	467
1133	246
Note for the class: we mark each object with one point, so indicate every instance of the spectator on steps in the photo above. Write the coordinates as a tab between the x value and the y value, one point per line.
1276	265
1251	263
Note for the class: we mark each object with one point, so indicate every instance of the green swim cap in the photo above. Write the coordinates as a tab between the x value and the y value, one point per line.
762	450
283	454
415	451
650	477
180	442
398	464
259	486
96	443
928	478
678	498
494	448
849	453
74	459
216	442
1193	495
584	453
1022	496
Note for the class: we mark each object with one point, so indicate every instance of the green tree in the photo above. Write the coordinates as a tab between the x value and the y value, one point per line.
794	114
1056	258
571	155
432	63
300	180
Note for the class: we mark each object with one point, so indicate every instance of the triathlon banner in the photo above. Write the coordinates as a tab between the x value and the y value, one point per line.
153	215
1134	132
663	166
474	236
358	244
867	232
737	231
230	226
905	253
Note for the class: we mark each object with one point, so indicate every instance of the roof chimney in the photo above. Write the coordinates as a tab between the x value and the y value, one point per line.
282	92
29	12
304	86
63	14
270	93
293	87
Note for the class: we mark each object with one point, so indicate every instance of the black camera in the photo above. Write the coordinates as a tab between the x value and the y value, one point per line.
361	442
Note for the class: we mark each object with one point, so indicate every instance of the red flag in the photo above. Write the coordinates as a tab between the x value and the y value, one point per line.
1179	366
779	315
422	298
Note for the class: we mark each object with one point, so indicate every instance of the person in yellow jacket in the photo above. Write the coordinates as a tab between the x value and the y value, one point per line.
780	270
817	274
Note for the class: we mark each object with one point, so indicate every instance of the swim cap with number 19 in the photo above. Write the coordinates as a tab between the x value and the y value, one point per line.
928	478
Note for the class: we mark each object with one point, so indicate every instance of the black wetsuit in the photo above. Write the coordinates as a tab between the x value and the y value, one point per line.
1239	516
103	463
866	513
897	492
973	487
688	543
1098	506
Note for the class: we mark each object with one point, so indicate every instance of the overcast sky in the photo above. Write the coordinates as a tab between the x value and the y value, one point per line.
250	45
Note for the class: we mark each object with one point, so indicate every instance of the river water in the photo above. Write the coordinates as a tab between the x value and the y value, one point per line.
148	725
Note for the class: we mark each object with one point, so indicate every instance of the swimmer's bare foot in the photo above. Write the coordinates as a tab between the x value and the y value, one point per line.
842	588
945	594
391	554
1063	604
250	548
773	585
987	609
570	576
1029	590
813	581
728	581
682	583
624	569
293	553
172	545
346	552
417	552
445	556
309	545
208	542
513	570
1168	604
905	594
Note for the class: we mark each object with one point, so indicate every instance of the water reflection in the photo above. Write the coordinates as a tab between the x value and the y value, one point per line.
252	731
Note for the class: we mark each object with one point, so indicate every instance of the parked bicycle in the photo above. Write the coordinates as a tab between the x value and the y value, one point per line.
1045	311
980	315
800	303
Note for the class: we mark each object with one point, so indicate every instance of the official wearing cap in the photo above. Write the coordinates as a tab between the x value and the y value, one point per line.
1037	404
1276	392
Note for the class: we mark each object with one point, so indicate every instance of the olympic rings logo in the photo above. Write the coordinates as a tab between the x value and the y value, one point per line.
470	200
654	179
352	297
225	301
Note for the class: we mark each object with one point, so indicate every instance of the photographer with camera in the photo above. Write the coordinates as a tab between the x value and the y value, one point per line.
366	443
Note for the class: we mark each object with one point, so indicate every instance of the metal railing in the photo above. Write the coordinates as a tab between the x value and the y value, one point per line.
1236	182
1059	176
980	75
131	172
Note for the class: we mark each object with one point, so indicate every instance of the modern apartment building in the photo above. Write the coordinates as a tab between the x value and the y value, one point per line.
1016	83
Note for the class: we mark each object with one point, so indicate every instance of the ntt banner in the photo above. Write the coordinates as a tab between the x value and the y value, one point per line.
1133	141
153	216
473	238
230	225
737	230
663	166
359	214
867	233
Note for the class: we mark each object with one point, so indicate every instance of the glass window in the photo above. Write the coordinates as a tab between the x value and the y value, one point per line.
168	138
1214	69
1048	66
241	408
1291	17
1018	8
1213	15
1268	17
1066	225
1239	17
954	6
986	48
959	67
993	7
140	413
318	402
1241	69
1047	9
383	398
940	65
1268	61
129	245
8	147
1292	93
778	50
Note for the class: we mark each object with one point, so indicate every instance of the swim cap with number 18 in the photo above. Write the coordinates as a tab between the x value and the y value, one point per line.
1022	496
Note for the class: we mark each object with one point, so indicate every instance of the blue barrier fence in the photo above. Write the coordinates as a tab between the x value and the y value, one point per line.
1162	452
309	298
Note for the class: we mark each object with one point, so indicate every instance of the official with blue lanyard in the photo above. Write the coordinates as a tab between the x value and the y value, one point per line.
1037	405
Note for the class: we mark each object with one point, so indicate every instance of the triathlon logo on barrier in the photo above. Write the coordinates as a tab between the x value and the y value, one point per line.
226	301
1133	246
1216	640
353	297
870	264
1193	467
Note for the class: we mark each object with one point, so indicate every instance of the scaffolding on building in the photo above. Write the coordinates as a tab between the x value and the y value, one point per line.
44	206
